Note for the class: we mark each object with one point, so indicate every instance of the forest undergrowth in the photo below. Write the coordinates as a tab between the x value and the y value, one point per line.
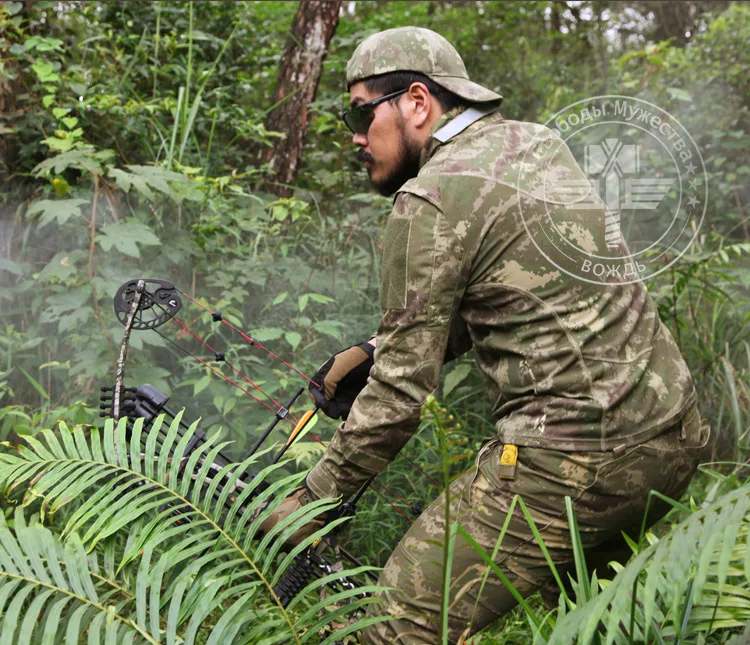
130	149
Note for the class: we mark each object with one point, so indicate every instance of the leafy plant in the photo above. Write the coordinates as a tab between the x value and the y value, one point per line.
693	580
180	564
126	142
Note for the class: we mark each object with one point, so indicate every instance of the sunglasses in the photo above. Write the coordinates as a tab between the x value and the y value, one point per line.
360	118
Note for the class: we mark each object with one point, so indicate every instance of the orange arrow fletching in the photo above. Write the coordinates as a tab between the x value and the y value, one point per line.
303	427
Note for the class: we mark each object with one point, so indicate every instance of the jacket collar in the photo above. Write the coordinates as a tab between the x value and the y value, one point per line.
432	144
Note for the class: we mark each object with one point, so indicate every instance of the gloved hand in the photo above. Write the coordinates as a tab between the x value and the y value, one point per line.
296	500
341	379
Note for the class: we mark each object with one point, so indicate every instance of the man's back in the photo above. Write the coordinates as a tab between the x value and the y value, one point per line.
568	364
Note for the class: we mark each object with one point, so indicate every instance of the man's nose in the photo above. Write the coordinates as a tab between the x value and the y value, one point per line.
360	140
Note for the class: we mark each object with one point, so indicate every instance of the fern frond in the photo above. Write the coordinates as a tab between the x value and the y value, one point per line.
40	579
190	527
692	580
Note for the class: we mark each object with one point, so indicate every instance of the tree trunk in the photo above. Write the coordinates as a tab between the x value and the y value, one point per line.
296	87
9	87
556	24
676	19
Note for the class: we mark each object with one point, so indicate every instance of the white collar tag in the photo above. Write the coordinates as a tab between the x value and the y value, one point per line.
463	121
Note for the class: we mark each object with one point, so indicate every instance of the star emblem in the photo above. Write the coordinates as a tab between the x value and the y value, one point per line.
690	169
692	201
693	183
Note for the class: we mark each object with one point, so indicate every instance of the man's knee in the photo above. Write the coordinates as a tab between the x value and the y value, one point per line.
406	602
414	576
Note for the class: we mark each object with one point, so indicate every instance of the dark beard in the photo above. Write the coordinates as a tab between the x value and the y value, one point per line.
406	168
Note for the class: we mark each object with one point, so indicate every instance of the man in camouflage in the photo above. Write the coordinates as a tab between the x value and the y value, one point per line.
589	394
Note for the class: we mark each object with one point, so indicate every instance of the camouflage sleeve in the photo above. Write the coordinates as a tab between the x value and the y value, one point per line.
424	277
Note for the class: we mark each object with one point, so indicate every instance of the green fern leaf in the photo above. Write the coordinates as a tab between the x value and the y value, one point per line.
179	538
692	581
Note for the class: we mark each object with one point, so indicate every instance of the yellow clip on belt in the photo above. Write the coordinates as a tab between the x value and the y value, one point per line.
508	461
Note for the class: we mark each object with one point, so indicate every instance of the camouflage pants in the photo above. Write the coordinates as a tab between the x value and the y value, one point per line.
609	492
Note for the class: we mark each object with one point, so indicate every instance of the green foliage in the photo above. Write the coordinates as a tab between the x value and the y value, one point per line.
148	550
694	580
706	305
128	176
690	584
129	151
54	589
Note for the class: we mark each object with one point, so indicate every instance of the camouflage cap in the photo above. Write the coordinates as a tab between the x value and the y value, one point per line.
415	49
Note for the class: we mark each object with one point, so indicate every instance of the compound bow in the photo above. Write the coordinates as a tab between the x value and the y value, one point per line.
147	304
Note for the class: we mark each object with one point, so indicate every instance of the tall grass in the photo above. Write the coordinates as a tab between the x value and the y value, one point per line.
688	579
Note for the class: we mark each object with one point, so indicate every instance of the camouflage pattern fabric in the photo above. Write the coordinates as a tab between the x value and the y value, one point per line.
609	491
568	365
415	49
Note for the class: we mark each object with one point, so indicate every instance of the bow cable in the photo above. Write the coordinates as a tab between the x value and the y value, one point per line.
280	411
218	317
219	373
220	357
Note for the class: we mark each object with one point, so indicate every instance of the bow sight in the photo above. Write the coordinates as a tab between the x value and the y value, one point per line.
146	304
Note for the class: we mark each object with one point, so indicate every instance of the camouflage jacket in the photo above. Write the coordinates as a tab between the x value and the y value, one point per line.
567	364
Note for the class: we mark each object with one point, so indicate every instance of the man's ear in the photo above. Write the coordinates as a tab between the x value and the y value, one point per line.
421	104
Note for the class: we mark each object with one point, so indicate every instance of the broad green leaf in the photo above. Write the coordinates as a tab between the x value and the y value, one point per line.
32	43
85	158
279	298
146	178
62	266
293	338
126	237
329	328
267	333
319	297
67	308
126	181
63	141
44	71
13	8
201	384
456	377
59	210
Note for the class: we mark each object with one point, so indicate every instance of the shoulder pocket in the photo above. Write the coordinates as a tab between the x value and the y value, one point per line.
395	254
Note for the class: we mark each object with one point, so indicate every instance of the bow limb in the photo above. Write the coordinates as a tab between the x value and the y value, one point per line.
124	349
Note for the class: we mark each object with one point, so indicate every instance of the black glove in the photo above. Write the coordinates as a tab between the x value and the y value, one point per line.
341	379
